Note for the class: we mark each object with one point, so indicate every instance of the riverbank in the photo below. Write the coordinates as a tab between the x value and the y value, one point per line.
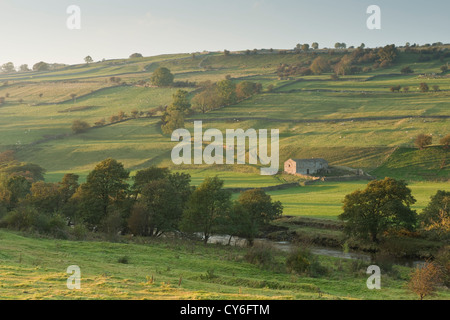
329	234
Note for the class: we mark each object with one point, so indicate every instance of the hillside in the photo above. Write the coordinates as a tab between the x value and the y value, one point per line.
353	121
35	268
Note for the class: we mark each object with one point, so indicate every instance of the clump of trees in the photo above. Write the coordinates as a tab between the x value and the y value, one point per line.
162	77
156	201
382	206
223	93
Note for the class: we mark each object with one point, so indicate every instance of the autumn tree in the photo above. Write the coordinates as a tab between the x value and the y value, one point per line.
319	65
425	279
423	140
382	205
445	141
423	87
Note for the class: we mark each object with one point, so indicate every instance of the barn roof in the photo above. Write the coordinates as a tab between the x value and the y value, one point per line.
310	160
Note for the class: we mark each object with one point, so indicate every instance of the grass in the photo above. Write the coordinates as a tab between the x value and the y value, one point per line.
324	199
35	268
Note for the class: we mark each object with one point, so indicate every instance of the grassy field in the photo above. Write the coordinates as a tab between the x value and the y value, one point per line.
35	268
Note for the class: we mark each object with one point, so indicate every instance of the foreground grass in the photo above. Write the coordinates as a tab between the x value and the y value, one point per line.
35	268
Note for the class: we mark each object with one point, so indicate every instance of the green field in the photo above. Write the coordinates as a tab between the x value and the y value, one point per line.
33	268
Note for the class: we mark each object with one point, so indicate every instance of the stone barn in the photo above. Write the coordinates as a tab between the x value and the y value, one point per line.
305	166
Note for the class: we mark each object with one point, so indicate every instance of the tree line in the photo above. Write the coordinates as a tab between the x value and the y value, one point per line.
154	202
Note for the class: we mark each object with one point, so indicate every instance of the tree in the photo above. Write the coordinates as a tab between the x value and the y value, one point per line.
79	126
423	140
172	120
15	188
103	190
445	141
388	53
24	68
206	100
136	55
8	67
425	279
162	77
305	47
407	70
259	210
226	52
73	96
180	101
444	68
44	196
436	88
439	203
383	205
246	89
315	45
227	92
362	46
423	87
207	204
343	67
88	59
146	176
162	207
41	66
319	65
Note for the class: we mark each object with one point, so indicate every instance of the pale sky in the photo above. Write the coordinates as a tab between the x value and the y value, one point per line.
35	30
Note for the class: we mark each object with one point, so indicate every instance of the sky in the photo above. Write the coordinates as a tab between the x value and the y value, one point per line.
33	31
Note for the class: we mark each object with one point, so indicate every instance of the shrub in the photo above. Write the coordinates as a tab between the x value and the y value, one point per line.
423	87
299	260
79	126
123	259
425	279
445	141
407	70
21	218
80	231
442	259
423	140
261	255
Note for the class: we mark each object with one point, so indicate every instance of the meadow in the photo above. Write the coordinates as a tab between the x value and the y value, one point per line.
35	268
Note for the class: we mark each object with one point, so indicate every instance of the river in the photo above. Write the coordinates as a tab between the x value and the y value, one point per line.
287	246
